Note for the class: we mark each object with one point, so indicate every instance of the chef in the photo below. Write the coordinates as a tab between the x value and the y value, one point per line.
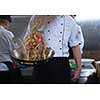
58	31
8	72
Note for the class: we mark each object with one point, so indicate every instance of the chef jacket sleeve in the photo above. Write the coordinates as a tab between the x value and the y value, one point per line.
74	39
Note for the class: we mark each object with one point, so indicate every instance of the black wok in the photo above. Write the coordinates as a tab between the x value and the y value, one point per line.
17	57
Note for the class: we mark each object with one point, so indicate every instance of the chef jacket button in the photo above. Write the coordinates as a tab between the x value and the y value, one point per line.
79	32
60	48
61	23
60	32
48	30
48	22
49	39
59	40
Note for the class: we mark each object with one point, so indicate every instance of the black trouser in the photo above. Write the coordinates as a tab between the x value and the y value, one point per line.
56	70
4	77
11	76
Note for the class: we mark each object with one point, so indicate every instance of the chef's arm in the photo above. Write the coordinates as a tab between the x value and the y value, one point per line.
77	57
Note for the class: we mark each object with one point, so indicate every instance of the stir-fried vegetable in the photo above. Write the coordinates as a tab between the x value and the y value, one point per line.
35	47
34	44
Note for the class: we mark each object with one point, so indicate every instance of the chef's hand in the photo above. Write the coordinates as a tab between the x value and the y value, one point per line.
76	74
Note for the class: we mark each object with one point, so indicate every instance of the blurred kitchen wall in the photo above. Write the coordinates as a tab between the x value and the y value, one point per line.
19	25
91	32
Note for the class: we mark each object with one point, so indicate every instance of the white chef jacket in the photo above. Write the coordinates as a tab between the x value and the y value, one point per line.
58	31
6	46
81	38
